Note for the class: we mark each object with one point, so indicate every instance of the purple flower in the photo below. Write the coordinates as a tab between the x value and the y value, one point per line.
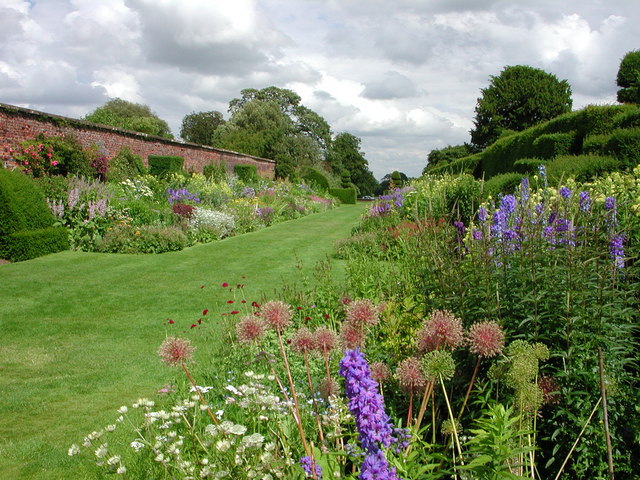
477	234
508	205
542	172
309	465
376	467
616	250
609	203
482	214
460	229
584	201
565	192
524	190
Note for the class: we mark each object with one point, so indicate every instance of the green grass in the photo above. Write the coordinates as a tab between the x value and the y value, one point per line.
80	330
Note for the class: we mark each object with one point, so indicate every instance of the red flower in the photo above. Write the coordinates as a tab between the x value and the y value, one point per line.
229	301
362	312
171	322
306	319
298	308
225	284
441	329
325	339
243	301
303	341
486	339
205	311
199	321
255	305
234	312
201	286
409	375
326	316
193	325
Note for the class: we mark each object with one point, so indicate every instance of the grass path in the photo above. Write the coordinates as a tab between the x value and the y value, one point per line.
79	330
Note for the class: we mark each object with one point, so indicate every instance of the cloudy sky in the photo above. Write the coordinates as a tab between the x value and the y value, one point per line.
403	75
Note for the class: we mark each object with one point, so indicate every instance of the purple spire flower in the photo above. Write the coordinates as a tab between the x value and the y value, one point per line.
616	250
584	201
542	172
609	203
376	467
309	465
482	214
524	190
508	205
565	192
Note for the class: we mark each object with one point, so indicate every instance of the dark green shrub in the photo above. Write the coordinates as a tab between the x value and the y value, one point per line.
628	119
595	144
57	155
396	179
345	195
246	173
28	244
553	144
317	178
216	172
345	179
125	165
463	196
580	167
161	165
624	144
528	165
145	239
54	188
504	183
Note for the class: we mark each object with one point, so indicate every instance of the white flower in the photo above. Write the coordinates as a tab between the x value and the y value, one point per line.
136	445
114	460
238	429
121	470
219	414
73	450
123	409
101	451
223	445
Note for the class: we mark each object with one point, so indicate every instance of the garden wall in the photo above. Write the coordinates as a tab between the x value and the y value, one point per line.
18	124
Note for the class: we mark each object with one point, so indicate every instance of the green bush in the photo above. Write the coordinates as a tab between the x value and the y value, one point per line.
28	244
345	195
458	166
125	165
315	177
595	144
246	173
57	155
528	165
345	179
462	196
162	166
580	167
144	239
553	144
216	172
624	144
145	212
628	119
504	183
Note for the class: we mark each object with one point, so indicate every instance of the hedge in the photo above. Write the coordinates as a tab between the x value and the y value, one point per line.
551	145
624	144
581	167
246	173
28	244
503	183
345	195
216	172
528	165
162	165
457	166
313	175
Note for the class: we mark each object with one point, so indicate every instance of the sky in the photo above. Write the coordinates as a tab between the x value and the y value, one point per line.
402	75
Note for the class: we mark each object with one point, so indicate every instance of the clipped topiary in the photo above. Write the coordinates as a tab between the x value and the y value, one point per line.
125	165
580	167
164	165
505	183
345	195
553	144
314	176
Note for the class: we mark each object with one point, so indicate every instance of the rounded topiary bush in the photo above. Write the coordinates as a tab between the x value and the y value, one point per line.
314	176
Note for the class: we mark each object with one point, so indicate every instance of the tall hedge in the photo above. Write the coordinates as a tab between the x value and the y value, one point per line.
345	195
162	165
551	145
26	224
246	173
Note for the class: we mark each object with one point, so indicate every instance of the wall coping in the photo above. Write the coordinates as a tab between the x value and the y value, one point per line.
62	121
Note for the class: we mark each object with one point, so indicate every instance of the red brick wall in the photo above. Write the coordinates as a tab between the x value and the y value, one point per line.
18	124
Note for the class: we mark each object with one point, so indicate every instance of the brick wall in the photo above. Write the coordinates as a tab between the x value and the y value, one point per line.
18	124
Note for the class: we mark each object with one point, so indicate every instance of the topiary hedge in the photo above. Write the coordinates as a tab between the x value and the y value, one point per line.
246	173
345	195
528	166
26	223
314	176
163	165
553	144
504	183
624	144
580	167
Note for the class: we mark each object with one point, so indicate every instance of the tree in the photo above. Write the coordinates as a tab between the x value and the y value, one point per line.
520	97
199	127
345	154
130	116
443	156
385	182
628	78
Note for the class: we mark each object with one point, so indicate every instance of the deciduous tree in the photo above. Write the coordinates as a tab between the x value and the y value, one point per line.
130	116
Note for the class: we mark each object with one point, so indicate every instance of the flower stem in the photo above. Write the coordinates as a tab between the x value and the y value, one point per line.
453	420
466	397
313	397
204	402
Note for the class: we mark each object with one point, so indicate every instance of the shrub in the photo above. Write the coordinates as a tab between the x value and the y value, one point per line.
458	166
125	165
345	179
145	212
527	165
580	167
595	144
144	239
317	178
504	183
246	173
161	166
627	119
215	172
463	196
345	195
553	144
28	244
182	210
624	144
57	155
211	223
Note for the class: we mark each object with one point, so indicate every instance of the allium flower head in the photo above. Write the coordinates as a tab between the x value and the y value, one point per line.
550	390
328	388
362	312
409	375
325	339
441	329
352	335
438	363
277	314
303	341
175	351
380	372
250	329
486	339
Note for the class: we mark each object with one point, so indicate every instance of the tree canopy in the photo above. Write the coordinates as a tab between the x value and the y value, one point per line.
198	127
628	78
446	155
345	155
130	116
520	97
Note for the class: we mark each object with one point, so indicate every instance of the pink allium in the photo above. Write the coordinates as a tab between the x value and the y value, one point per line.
303	341
249	329
362	312
550	390
380	372
277	314
325	339
441	329
409	375
345	300
351	335
175	351
486	339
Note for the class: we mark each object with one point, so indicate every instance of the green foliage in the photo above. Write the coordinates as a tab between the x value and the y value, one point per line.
624	144
528	165
519	98
199	127
130	116
216	172
595	144
345	179
553	144
143	211
580	167
316	177
125	165
143	239
447	196
628	78
57	155
444	156
503	183
456	167
345	195
162	166
345	154
28	244
247	174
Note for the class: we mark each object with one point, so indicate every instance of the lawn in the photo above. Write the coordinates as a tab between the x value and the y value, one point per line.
80	330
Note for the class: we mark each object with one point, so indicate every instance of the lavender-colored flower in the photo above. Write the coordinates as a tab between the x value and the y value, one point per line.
584	201
508	205
309	465
616	250
609	203
376	467
72	198
248	192
565	192
460	229
542	172
524	190
374	426
477	235
482	214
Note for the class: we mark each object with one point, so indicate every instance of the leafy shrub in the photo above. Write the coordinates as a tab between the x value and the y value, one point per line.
182	210
459	166
553	144
28	244
442	197
624	144
125	165
595	144
162	166
628	119
580	167
142	211
246	173
528	165
143	239
215	172
345	179
503	183
317	178
345	195
57	155
463	196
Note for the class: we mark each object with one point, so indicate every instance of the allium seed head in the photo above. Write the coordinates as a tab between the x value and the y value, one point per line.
380	372
486	339
441	330
409	375
438	363
277	314
363	312
328	388
250	329
174	351
325	339
352	335
303	341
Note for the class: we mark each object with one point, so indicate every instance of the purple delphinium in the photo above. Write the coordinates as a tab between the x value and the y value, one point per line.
482	214
610	207
508	205
609	203
309	465
181	195
376	467
542	172
248	192
525	190
477	235
616	250
565	192
584	201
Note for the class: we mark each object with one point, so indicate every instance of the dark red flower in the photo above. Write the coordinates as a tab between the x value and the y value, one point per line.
193	325
225	284
255	305
229	301
298	308
326	316
199	321
205	311
201	286
234	312
171	322
243	301
307	319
